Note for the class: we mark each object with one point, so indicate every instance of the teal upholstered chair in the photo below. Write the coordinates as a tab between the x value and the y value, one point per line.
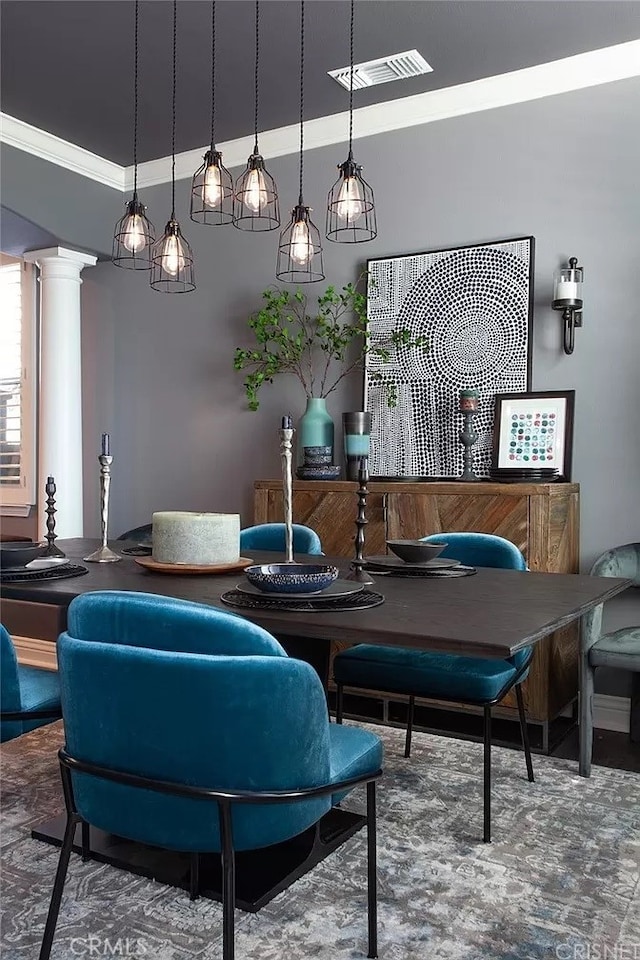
139	534
189	728
270	536
29	697
620	648
443	676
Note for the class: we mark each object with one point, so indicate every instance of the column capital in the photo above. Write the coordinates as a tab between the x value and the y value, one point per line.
61	261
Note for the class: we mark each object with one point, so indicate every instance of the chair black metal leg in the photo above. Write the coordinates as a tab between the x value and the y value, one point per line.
194	877
407	742
524	732
58	886
372	879
228	884
86	841
487	775
339	701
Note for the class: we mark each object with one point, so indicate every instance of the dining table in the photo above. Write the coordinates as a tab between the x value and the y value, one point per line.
491	613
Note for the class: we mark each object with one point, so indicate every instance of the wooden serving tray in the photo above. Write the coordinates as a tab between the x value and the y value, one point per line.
181	568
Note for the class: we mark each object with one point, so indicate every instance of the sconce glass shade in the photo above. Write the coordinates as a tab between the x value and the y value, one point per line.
351	212
255	201
300	249
172	262
132	239
567	286
212	191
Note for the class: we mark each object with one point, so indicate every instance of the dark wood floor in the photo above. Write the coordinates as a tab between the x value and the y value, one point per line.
609	750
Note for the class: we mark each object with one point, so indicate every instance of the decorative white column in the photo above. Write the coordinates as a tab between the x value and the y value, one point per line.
60	397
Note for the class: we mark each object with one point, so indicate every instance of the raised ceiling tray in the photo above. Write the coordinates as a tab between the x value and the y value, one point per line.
265	601
339	588
190	568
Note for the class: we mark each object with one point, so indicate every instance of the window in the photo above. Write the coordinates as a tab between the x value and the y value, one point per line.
18	375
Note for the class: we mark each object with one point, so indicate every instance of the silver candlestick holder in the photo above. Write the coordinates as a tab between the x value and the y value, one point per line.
104	554
286	436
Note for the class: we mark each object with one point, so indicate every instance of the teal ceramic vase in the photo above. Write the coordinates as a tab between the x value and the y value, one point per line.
315	427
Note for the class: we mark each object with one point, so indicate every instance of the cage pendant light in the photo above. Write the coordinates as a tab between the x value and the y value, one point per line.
351	212
300	247
212	184
255	202
171	256
134	232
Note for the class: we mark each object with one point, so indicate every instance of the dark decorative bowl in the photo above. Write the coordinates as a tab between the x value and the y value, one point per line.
319	471
415	551
291	578
18	553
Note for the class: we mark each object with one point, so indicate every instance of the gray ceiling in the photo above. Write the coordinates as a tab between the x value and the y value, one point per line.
67	66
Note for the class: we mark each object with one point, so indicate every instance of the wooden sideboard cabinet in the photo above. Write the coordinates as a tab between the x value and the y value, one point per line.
543	520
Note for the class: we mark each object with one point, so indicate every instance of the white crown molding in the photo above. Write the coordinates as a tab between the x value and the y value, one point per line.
39	143
596	67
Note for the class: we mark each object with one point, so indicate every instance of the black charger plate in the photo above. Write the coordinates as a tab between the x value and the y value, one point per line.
356	601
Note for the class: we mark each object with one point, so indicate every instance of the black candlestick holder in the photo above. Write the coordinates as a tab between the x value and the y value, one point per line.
50	536
357	564
468	437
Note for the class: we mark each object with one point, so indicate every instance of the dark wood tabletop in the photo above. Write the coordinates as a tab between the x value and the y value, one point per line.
493	613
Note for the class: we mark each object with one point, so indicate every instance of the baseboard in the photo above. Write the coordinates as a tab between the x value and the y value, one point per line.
36	653
611	713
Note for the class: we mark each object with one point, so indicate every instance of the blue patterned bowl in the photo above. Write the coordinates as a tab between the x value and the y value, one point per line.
291	578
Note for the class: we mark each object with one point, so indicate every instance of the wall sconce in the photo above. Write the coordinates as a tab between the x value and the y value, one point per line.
567	296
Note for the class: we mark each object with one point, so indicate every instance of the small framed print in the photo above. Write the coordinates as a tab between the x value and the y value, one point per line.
534	431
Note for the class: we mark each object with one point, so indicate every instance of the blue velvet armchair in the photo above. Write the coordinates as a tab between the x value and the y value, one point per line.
271	536
442	676
29	697
233	749
619	649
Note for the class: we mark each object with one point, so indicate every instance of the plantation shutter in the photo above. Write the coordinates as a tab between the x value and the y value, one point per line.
17	384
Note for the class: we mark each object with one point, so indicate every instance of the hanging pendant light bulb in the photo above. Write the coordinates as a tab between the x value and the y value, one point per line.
255	201
134	233
351	212
300	248
212	184
171	256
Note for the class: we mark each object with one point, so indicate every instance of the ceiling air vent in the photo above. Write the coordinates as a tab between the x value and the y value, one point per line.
399	66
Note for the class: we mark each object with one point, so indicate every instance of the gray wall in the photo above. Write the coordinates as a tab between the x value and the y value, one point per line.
158	369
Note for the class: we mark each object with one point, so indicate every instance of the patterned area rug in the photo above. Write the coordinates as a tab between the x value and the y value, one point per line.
559	882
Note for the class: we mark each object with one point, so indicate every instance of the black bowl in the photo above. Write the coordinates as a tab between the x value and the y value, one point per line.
416	551
19	552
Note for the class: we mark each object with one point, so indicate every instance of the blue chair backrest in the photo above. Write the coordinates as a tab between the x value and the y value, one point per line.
238	715
480	550
271	536
9	686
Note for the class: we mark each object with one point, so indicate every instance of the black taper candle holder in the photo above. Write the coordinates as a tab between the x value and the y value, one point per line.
50	536
357	572
468	437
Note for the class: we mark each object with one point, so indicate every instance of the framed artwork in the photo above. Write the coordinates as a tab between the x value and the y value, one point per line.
534	430
474	307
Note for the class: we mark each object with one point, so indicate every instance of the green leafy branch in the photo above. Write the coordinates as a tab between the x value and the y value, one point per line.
319	349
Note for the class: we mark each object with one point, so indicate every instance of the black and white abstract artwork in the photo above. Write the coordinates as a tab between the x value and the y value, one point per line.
474	307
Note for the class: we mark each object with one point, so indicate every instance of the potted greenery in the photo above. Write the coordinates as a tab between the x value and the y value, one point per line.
320	348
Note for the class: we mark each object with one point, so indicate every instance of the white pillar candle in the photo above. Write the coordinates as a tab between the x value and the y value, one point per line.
566	290
196	538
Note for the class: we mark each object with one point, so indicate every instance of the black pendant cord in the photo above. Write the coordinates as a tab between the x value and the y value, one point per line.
300	200
255	79
351	83
213	75
135	105
173	115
